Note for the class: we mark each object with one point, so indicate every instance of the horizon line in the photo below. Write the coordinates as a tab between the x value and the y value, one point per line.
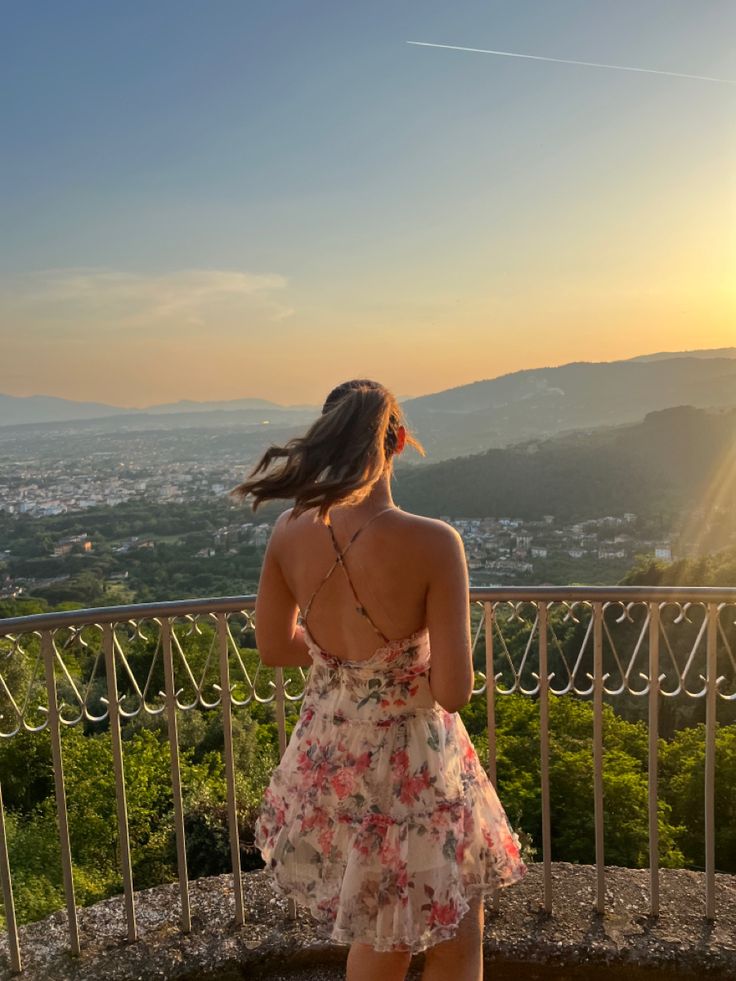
150	407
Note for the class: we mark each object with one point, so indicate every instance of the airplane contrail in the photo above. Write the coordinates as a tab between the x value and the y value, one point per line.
568	61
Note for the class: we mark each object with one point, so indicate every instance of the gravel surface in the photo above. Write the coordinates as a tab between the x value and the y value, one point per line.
574	939
510	972
519	972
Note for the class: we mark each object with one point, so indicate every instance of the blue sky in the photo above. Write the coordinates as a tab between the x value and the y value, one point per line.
182	179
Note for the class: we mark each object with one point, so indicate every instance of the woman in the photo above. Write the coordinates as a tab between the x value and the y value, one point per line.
379	818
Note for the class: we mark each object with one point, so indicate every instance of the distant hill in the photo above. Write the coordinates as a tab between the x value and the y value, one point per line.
547	401
716	352
185	405
45	410
16	410
656	465
467	419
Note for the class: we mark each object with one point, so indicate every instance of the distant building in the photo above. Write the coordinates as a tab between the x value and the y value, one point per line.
509	567
261	534
663	552
611	553
67	545
49	510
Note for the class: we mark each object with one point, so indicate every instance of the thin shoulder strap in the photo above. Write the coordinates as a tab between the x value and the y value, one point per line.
356	533
339	561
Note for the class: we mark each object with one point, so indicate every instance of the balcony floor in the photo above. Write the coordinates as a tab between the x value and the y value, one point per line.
574	940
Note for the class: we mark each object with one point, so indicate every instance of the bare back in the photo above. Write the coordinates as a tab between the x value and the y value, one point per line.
388	564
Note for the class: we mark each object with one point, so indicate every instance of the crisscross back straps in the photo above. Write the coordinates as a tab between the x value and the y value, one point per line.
340	560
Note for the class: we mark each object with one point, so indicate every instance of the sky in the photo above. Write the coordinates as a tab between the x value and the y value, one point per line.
262	199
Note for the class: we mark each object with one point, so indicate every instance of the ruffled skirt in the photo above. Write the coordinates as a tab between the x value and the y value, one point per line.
384	831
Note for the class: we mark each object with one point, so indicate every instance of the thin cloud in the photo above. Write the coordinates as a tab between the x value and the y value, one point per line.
188	296
569	61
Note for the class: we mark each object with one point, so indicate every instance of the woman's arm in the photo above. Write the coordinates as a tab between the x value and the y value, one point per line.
448	620
279	638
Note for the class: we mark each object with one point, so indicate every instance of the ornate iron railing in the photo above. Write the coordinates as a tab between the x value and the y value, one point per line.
105	665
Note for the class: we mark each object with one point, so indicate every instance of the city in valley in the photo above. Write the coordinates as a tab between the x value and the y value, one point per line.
92	516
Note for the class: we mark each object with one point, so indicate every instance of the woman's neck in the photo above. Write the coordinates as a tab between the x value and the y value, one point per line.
378	499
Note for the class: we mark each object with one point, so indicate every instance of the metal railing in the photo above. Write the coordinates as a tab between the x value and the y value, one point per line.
566	631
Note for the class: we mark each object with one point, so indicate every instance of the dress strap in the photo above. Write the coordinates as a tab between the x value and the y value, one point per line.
341	561
356	533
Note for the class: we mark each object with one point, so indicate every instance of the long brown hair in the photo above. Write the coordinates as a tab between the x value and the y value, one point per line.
339	458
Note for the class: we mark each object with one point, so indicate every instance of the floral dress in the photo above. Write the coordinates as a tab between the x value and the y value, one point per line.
380	818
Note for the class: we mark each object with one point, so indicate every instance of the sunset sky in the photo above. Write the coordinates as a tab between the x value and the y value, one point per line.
261	199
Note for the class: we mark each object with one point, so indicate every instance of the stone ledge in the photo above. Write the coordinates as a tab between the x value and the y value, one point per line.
680	939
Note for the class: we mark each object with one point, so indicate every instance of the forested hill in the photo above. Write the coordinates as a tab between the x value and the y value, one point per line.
502	411
662	463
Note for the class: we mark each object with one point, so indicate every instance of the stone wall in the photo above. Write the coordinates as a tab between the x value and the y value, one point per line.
574	934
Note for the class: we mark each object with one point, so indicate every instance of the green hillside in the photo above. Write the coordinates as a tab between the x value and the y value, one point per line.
660	465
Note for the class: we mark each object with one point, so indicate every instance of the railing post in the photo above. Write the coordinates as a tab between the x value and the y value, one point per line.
490	690
47	652
227	729
7	885
710	762
598	753
171	725
654	618
488	617
118	766
280	704
544	753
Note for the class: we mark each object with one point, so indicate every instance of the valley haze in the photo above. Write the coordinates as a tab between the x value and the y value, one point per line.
459	420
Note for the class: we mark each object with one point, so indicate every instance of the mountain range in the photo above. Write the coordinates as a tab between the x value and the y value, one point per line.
19	410
467	419
581	395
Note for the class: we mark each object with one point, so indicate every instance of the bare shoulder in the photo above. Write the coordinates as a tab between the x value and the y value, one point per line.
438	536
431	537
280	527
283	519
288	528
